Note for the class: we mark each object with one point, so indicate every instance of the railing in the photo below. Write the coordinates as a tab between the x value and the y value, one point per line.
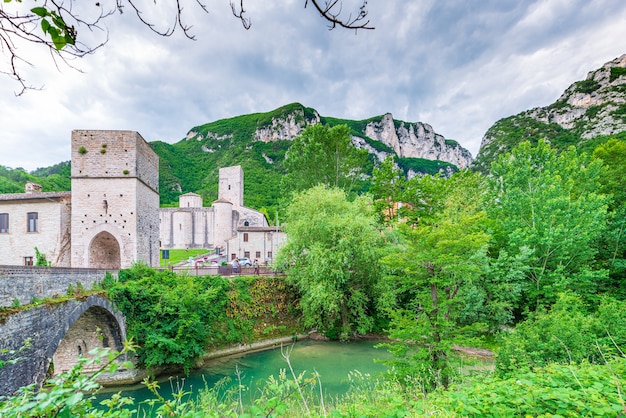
214	270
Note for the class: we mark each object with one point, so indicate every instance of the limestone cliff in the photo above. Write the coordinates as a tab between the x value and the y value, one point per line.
589	108
417	140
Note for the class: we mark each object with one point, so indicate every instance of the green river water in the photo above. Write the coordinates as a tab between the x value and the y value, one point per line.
331	359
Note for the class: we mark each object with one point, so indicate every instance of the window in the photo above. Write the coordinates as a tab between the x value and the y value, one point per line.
269	255
33	221
258	254
4	222
246	254
28	261
245	237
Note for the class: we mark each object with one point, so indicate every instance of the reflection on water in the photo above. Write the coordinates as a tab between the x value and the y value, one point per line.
332	360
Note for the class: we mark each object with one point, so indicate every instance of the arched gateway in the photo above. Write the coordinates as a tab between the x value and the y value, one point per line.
104	252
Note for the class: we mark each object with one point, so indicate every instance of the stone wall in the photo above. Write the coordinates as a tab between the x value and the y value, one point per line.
45	327
26	283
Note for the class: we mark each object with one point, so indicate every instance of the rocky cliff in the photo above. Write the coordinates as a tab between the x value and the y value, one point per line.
587	109
402	139
417	140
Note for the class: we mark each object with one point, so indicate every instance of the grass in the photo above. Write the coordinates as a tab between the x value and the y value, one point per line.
179	255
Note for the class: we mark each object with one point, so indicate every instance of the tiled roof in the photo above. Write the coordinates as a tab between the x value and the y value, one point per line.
33	196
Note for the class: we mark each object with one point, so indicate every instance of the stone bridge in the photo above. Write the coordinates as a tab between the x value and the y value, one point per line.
57	332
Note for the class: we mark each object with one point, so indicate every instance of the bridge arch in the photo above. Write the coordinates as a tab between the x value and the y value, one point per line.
54	331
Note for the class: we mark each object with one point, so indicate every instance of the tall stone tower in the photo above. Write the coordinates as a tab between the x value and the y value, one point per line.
115	200
230	187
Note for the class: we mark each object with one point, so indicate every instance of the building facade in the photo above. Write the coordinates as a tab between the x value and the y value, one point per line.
226	225
109	220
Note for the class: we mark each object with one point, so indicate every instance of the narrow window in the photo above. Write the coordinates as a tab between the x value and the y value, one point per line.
258	254
33	221
4	222
28	261
246	254
245	237
269	255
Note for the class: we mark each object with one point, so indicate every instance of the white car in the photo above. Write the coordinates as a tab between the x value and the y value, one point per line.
243	262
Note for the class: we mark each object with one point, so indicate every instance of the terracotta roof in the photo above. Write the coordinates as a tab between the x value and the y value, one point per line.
33	196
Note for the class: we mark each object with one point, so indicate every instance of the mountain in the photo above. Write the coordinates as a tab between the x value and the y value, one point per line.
587	113
258	142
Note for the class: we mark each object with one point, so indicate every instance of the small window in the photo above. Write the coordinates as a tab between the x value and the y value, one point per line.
33	221
258	254
245	237
269	255
246	223
246	254
4	223
28	261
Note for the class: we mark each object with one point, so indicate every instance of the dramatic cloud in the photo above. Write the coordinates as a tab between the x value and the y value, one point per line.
457	65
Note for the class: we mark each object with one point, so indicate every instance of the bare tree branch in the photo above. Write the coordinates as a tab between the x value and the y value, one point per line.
332	10
57	25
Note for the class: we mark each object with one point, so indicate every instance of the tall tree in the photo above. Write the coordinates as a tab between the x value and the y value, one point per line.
387	186
331	255
550	204
326	156
432	273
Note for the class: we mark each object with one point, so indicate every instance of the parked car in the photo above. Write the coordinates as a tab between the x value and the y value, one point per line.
243	262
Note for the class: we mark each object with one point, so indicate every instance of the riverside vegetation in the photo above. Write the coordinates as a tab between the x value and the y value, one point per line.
529	261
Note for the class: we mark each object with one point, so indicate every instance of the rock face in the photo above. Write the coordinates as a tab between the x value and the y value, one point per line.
417	140
285	128
407	140
588	108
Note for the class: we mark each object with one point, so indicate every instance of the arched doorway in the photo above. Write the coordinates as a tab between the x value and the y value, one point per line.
104	252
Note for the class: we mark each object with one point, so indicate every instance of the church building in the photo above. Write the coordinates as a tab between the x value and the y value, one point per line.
227	225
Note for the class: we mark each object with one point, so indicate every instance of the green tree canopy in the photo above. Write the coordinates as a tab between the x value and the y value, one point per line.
549	203
331	255
323	155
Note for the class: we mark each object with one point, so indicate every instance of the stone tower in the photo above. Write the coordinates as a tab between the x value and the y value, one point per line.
115	200
230	187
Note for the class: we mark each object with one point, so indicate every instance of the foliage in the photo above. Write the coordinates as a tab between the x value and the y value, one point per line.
509	132
612	248
40	258
323	155
70	393
617	72
548	202
54	178
568	332
587	86
331	256
424	166
431	272
175	318
388	184
555	390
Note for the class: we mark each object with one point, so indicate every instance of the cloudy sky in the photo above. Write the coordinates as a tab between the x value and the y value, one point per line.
458	65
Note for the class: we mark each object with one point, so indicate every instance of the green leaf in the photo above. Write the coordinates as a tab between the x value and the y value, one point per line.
40	11
45	25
